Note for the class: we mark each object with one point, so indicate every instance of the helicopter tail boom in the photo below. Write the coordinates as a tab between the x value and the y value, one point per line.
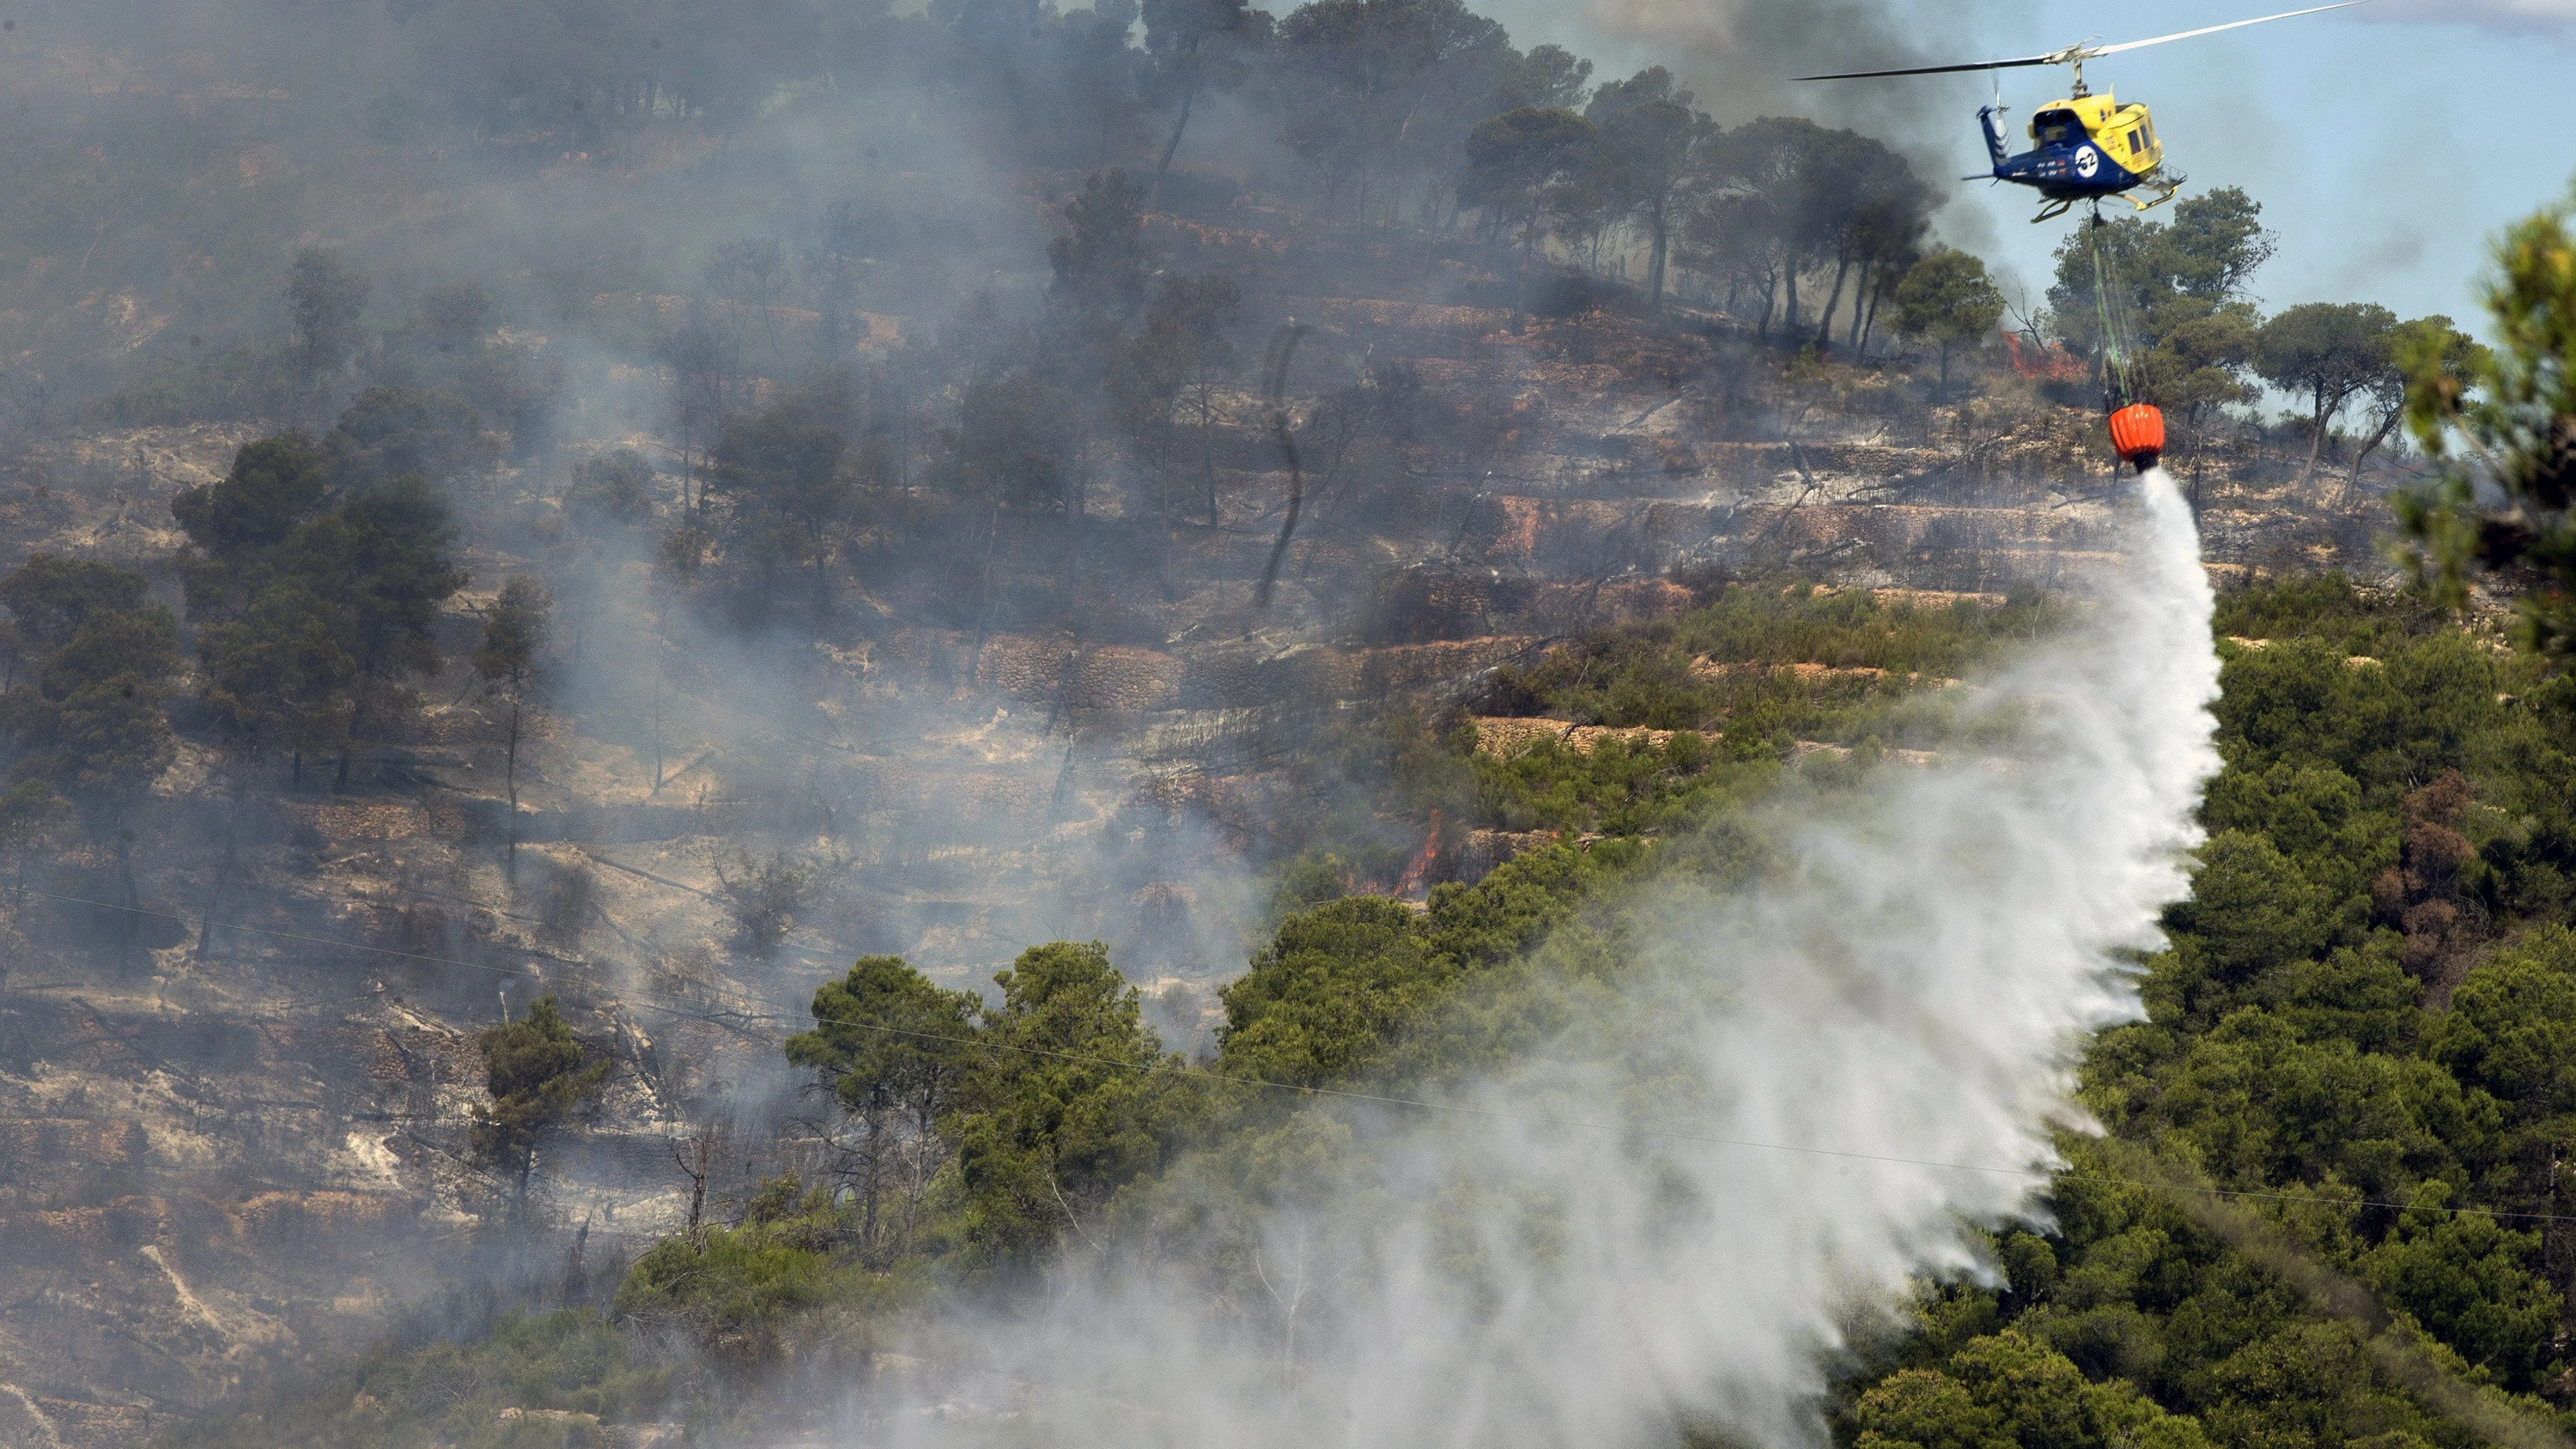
1989	117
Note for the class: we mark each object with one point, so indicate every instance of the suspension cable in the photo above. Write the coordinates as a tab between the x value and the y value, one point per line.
2117	341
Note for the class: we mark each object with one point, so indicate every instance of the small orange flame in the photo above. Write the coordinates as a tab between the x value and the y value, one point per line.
1410	884
2048	361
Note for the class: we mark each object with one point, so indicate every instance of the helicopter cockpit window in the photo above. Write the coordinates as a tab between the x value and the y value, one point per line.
2056	127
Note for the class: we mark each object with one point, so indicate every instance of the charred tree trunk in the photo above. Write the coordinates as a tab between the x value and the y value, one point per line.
2317	442
511	776
925	1140
1860	304
871	1184
1288	526
224	863
697	1172
1207	447
1660	228
1189	99
1283	355
1833	299
660	670
1529	244
2386	427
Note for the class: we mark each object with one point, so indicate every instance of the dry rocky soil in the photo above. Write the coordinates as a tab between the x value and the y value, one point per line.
216	1163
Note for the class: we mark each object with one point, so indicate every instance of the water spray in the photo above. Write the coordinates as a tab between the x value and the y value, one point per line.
1770	1112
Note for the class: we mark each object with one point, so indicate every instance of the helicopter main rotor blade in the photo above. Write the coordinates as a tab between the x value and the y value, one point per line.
2078	54
2091	51
1940	69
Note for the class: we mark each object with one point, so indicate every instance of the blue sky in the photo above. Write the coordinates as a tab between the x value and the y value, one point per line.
2387	143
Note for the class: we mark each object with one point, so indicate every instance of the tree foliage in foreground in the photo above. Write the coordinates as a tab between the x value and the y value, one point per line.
2504	422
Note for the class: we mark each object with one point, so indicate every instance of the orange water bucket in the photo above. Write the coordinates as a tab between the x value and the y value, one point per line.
2138	433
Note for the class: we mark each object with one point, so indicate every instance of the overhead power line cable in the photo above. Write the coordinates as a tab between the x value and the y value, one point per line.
194	922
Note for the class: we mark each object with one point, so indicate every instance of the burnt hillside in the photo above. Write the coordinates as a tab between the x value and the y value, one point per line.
949	527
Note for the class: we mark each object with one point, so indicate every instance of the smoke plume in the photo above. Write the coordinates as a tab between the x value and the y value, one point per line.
1765	1114
1741	55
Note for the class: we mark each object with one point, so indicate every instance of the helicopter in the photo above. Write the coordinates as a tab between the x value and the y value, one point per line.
2090	148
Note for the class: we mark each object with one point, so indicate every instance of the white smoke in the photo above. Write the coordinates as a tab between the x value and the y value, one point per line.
1909	985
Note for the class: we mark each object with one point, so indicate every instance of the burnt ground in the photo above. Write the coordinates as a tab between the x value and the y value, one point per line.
217	1163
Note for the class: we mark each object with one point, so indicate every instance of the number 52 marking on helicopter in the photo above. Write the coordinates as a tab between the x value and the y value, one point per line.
2087	147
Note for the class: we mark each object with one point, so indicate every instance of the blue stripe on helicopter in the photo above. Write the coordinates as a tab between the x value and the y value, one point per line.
2082	169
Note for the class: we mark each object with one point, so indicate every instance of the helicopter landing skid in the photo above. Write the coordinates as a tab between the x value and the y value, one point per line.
2164	191
2058	206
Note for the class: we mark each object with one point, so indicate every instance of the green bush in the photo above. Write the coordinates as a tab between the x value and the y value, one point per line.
573	1367
737	1293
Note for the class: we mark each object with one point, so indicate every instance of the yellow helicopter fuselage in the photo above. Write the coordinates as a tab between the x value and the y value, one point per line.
2126	134
2085	148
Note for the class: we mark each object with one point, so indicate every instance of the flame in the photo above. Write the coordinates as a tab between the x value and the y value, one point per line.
1410	884
2050	361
